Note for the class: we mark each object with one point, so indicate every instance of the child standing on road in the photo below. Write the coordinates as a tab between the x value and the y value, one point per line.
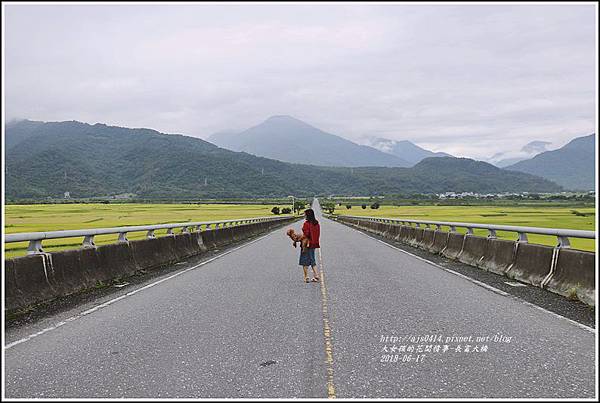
312	230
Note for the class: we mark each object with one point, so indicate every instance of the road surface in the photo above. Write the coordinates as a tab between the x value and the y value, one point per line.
246	325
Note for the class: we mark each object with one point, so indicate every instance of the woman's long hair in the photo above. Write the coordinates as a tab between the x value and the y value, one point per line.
310	216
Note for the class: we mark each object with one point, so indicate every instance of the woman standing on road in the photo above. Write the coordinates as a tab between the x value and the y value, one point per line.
312	230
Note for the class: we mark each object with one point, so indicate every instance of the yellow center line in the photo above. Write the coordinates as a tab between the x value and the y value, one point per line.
327	333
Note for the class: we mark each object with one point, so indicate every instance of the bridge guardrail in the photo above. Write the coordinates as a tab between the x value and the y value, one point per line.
559	269
40	277
35	238
562	235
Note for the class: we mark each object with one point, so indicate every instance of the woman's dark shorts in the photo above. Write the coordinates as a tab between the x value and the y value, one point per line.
308	258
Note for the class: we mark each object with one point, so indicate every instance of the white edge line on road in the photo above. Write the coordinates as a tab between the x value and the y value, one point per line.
487	286
112	301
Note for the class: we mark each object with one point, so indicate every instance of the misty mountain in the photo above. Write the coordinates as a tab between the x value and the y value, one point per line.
536	147
572	166
48	159
529	150
285	138
225	138
404	149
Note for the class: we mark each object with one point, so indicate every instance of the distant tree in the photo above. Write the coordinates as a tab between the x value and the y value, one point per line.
286	210
299	205
328	206
364	206
375	205
275	210
348	206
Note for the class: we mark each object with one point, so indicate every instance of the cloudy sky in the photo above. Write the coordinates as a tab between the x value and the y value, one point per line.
472	80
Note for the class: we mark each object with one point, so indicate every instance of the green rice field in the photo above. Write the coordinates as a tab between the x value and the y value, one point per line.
56	217
581	218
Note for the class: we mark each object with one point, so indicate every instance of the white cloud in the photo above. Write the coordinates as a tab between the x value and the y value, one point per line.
468	80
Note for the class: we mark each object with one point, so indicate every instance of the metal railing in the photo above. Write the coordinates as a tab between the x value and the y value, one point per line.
562	235
35	238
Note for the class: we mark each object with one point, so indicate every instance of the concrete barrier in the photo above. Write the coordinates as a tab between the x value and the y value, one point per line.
216	238
115	260
408	235
574	275
453	246
239	232
374	226
390	230
38	278
208	237
10	283
371	226
499	256
224	236
199	241
439	241
151	253
33	279
418	237
260	227
187	245
382	228
76	269
251	229
400	233
532	263
395	232
473	251
254	229
427	240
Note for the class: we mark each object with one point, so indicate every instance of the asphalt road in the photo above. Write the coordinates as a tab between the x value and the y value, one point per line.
246	325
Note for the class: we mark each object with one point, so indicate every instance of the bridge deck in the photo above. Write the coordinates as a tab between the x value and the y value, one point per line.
245	325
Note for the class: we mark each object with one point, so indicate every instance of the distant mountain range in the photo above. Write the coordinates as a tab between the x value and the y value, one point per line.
572	166
48	159
288	139
404	149
529	150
